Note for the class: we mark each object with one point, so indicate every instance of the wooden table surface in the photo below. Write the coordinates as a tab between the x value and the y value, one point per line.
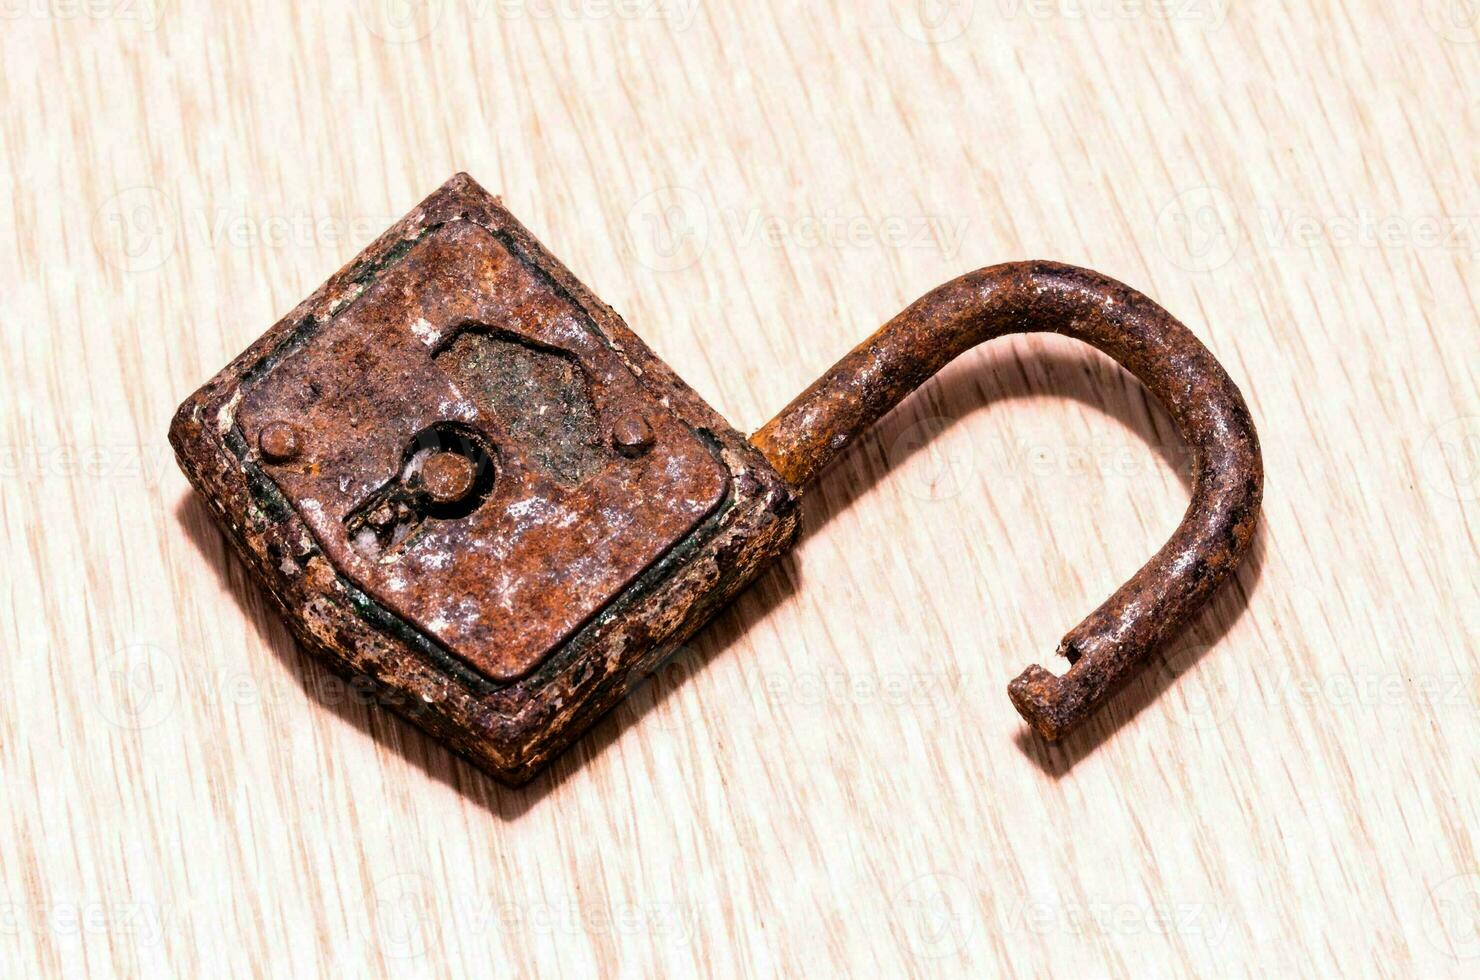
831	778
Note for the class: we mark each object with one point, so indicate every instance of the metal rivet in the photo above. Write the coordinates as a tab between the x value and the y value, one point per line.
278	442
632	435
447	477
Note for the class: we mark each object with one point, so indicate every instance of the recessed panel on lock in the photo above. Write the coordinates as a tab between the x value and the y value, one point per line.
468	449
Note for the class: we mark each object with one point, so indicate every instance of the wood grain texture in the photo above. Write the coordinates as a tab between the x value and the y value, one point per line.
832	778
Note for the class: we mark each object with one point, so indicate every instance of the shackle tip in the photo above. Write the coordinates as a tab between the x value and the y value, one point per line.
1046	702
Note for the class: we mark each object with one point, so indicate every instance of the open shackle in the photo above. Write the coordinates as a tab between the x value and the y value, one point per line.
1114	641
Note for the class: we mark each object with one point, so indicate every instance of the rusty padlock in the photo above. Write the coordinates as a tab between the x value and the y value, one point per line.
459	474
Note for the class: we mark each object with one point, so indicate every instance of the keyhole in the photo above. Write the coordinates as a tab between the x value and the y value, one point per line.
447	471
450	468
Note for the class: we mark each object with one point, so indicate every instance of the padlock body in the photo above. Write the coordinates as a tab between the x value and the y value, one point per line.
462	476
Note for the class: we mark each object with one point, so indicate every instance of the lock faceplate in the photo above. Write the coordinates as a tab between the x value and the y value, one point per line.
462	350
461	475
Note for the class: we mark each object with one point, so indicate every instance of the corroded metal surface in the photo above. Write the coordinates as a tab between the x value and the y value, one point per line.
461	350
1109	646
448	478
610	512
